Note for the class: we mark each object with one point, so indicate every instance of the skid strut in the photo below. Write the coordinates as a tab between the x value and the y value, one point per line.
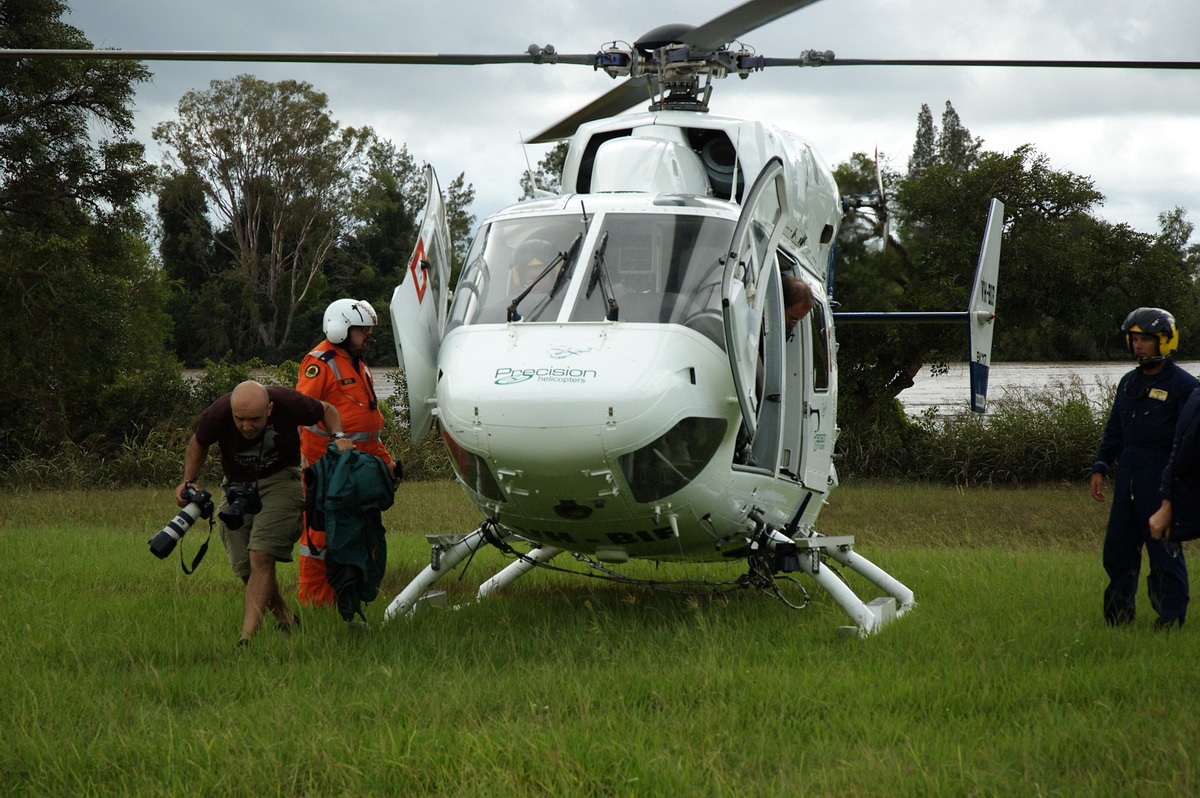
518	568
450	550
445	556
868	617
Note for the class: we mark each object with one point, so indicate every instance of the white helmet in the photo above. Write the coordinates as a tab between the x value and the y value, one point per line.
342	314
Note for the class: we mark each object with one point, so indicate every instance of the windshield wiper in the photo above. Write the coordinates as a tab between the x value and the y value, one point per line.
600	275
568	263
563	259
512	314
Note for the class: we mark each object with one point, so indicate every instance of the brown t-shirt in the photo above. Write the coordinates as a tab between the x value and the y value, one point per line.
278	447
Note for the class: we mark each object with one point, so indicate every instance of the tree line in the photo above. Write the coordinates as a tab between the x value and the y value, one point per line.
1067	277
266	210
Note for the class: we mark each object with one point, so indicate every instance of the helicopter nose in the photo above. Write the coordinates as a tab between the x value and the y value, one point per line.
558	398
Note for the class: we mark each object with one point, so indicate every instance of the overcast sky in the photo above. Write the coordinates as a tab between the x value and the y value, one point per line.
1134	132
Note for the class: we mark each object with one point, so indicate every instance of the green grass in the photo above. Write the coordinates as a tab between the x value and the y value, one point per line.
121	676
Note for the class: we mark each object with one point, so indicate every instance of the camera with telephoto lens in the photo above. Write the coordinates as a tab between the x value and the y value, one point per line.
242	499
199	506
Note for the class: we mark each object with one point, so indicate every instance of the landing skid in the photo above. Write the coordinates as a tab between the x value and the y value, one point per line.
871	616
450	550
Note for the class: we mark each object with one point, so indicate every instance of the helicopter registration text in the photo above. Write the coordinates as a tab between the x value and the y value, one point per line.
615	538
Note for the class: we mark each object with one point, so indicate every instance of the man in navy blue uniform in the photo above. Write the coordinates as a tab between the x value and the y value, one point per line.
1178	519
1139	434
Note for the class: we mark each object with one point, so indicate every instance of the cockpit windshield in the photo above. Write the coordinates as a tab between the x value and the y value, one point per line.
510	257
654	267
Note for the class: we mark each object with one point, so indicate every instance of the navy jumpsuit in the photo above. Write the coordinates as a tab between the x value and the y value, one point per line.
1140	433
1181	478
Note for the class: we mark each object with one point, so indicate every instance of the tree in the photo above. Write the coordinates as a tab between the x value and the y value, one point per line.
952	145
388	195
193	261
1175	231
277	173
548	176
955	147
1067	278
940	208
924	153
53	172
390	198
83	302
459	196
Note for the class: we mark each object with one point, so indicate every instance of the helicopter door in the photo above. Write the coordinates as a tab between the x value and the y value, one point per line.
419	310
745	284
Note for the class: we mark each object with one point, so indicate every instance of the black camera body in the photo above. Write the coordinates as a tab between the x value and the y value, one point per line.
242	499
199	506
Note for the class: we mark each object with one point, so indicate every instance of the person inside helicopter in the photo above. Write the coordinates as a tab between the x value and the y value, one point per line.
797	302
529	262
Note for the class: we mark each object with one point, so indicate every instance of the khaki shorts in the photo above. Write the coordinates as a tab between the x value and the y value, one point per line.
275	529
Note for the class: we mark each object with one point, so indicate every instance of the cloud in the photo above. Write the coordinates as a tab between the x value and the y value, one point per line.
1131	130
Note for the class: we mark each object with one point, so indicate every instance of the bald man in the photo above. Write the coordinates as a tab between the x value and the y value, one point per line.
255	429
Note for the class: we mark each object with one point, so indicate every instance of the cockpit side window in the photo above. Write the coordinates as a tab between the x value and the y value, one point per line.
820	348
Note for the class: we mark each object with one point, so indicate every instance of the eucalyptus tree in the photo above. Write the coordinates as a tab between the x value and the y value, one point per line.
278	174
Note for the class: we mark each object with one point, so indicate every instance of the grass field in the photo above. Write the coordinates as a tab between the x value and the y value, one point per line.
121	676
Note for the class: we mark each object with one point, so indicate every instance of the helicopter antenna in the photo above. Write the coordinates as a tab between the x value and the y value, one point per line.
882	207
528	166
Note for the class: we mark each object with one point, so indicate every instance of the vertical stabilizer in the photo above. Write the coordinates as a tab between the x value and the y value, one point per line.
982	309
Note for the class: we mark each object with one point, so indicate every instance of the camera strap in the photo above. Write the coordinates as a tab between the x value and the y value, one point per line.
199	554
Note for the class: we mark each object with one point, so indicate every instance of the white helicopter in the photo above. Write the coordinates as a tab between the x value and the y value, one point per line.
639	394
615	376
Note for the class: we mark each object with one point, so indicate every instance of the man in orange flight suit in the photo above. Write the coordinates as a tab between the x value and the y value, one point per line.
335	372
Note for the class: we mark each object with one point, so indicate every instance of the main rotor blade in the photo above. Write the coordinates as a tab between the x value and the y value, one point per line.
977	62
715	33
625	96
445	59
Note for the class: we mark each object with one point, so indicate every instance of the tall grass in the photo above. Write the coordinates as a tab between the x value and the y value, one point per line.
121	675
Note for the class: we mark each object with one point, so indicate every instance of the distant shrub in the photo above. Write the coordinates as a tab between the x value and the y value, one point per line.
222	377
1027	436
140	431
